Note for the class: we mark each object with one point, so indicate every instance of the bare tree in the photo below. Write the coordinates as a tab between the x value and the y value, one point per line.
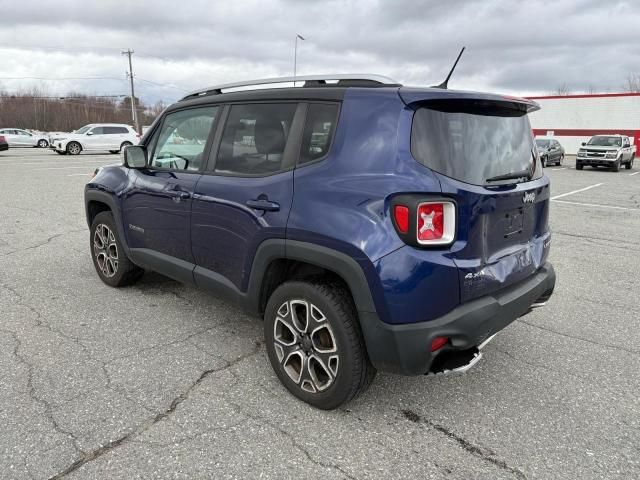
38	110
633	83
562	89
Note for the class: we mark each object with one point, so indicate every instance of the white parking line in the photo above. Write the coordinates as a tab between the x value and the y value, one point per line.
634	173
576	191
596	205
79	175
561	168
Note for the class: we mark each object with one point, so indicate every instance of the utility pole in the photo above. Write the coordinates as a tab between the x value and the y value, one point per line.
295	57
134	114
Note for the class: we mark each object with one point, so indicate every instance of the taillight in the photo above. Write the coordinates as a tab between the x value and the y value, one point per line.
436	223
401	216
2	138
420	222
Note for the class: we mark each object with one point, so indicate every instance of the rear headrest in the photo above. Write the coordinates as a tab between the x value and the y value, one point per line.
269	135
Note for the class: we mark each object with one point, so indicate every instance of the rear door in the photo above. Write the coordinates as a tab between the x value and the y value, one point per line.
157	210
245	195
502	225
113	137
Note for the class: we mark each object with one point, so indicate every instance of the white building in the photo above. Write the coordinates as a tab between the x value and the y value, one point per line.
573	119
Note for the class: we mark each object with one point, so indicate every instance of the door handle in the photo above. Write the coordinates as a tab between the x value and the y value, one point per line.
263	204
184	195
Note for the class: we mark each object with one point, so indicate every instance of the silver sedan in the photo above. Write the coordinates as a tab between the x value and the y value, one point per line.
21	138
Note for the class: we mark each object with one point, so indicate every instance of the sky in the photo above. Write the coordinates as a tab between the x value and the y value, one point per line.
514	47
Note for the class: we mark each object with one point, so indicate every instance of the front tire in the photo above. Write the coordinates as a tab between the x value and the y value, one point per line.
616	166
43	143
579	166
109	258
560	159
314	343
74	148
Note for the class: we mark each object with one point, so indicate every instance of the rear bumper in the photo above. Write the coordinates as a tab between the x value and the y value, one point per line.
406	348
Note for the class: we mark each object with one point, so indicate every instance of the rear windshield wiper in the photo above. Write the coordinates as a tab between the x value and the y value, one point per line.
511	176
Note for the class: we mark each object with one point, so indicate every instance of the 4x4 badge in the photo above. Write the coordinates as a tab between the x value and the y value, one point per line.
529	197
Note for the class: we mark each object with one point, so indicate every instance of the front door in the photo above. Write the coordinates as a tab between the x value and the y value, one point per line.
245	195
157	211
94	139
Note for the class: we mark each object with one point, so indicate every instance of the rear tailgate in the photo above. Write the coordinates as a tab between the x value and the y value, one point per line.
470	140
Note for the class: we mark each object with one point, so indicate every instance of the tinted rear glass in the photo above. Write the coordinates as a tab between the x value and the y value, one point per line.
473	141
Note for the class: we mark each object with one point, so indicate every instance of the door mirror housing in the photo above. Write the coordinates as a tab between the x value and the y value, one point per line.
584	143
135	156
89	133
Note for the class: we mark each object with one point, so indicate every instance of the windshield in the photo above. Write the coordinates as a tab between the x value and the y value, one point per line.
473	142
602	141
542	143
83	129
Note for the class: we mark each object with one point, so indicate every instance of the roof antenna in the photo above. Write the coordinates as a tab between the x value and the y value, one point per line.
446	81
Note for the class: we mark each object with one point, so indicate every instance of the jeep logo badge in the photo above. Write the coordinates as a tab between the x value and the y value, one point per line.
529	197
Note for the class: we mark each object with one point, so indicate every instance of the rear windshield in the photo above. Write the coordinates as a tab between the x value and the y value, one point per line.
473	142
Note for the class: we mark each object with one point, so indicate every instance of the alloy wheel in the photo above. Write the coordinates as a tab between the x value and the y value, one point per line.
305	345
105	250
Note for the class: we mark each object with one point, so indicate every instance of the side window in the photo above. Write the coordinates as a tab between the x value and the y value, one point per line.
113	130
182	139
97	130
318	131
254	139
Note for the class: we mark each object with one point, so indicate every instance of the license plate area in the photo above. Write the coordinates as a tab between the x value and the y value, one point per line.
512	223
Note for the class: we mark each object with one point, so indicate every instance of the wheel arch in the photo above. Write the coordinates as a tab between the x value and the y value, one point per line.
97	201
279	260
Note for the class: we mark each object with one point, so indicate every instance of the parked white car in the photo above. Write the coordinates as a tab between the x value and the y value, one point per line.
111	137
17	137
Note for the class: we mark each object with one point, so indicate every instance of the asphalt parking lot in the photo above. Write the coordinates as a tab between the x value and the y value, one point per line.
160	380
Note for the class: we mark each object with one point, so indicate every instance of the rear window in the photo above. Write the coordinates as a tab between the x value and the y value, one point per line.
473	141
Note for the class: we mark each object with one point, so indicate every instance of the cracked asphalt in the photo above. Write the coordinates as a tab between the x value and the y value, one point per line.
160	380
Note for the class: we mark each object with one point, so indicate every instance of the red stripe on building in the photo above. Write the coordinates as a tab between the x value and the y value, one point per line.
577	132
587	95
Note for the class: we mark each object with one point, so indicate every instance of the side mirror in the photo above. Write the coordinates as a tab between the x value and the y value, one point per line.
135	156
89	133
584	143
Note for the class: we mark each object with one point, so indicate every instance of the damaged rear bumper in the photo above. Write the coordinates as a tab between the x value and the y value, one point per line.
406	348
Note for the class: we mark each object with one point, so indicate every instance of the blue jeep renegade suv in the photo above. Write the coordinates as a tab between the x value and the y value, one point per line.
372	226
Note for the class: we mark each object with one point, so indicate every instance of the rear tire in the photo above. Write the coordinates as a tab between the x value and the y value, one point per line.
543	160
314	343
560	159
109	258
74	148
114	151
629	164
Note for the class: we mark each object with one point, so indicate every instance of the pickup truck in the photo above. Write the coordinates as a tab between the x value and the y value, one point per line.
608	151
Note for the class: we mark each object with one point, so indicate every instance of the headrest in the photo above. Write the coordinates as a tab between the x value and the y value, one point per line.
269	135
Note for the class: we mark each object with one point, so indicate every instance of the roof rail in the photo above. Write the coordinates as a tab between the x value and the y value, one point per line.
336	80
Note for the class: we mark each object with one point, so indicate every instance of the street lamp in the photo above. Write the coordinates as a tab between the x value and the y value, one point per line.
295	56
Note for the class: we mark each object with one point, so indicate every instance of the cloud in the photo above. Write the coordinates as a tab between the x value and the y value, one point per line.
512	47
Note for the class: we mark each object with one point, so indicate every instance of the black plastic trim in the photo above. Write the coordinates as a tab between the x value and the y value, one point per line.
406	348
167	265
95	195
